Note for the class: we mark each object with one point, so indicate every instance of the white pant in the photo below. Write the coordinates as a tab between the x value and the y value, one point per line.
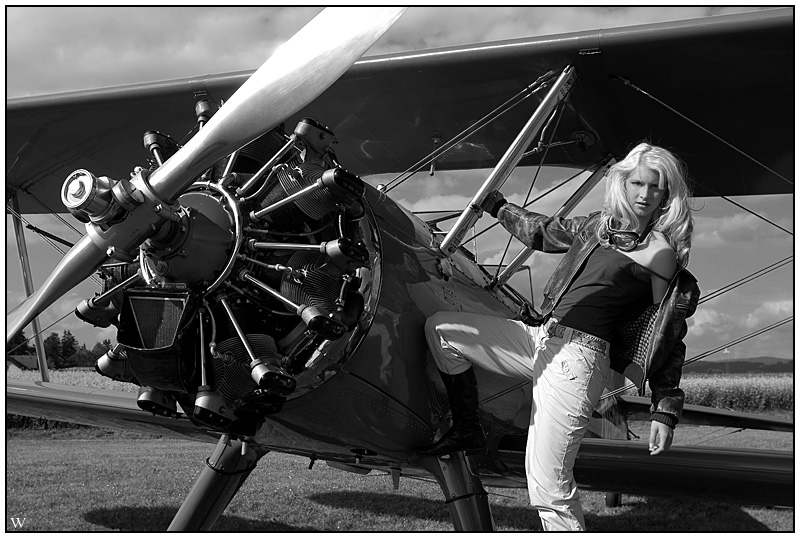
568	378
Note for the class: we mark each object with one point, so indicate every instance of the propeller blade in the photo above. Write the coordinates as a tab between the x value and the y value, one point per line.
296	74
81	261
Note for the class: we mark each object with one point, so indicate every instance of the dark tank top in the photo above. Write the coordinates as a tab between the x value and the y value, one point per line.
608	285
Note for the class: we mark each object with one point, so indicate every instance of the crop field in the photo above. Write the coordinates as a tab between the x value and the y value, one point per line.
83	479
744	392
79	377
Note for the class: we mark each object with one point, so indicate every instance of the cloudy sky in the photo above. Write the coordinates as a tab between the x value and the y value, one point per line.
57	49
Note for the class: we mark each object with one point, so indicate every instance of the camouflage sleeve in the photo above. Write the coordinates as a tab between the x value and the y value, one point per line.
540	232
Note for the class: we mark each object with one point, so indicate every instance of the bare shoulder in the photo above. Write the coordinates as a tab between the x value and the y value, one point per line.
659	256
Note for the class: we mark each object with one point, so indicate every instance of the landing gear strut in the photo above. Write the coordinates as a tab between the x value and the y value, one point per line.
225	472
461	484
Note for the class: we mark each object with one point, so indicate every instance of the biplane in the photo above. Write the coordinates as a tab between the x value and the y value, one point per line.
266	298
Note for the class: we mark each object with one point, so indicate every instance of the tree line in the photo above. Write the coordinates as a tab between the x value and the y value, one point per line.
62	351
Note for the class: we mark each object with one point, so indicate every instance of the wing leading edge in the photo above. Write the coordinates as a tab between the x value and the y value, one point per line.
93	407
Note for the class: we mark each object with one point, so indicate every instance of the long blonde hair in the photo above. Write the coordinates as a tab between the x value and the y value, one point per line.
673	218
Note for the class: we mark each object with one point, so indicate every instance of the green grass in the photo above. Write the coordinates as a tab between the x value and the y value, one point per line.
59	482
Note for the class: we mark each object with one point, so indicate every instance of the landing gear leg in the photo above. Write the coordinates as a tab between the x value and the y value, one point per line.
225	472
461	484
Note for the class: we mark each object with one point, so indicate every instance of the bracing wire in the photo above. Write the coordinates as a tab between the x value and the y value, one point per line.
53	244
544	194
44	236
453	214
33	228
59	320
741	339
740	206
745	280
706	438
718	292
507	106
711	352
53	213
762	165
637	88
556	115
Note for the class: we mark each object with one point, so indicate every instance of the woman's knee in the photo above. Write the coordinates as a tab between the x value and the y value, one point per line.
433	327
439	318
446	354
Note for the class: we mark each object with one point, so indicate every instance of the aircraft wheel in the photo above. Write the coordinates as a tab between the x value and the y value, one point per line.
613	500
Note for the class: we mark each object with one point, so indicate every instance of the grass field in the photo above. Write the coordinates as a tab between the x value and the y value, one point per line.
97	480
90	480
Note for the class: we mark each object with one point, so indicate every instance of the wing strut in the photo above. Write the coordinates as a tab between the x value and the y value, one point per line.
24	260
509	161
564	210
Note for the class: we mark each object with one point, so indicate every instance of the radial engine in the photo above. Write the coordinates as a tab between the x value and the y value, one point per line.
256	287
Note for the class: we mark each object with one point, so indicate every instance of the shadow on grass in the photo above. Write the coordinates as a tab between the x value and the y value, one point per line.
402	506
638	514
649	514
658	514
157	519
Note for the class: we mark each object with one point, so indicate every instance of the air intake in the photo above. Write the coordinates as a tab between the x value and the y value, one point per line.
152	319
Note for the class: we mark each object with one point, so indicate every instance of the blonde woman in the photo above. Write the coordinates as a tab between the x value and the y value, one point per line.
628	258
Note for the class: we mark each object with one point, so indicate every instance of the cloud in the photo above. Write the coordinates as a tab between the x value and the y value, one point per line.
441	202
739	227
733	229
89	47
60	316
56	48
711	329
14	297
709	321
768	313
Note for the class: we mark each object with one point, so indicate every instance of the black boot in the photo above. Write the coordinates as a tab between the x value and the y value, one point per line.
466	434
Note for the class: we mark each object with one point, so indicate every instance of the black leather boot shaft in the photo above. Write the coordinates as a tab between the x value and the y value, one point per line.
466	435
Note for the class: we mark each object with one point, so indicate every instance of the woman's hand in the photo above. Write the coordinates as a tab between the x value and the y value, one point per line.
660	437
493	202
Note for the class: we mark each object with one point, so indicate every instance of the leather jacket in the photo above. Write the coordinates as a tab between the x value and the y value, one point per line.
659	354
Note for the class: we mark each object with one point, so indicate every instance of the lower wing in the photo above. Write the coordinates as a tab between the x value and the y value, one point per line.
742	476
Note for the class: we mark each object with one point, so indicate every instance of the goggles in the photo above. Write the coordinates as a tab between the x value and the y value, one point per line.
627	240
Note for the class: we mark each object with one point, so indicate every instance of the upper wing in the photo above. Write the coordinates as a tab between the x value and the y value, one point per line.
732	75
